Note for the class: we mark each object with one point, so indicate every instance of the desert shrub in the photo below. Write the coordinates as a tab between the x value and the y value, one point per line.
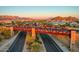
35	47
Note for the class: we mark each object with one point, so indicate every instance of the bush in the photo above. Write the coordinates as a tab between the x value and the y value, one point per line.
6	34
35	47
1	37
38	41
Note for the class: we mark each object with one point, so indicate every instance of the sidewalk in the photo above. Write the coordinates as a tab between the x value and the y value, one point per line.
59	44
8	43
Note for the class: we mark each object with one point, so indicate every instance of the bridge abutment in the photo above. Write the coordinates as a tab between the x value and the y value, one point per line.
73	40
33	33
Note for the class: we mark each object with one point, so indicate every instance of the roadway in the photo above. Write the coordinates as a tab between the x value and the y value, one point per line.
18	44
49	44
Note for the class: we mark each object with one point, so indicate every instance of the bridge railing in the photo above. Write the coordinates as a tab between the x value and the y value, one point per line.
42	29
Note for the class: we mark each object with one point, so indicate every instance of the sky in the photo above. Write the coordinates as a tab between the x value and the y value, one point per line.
40	11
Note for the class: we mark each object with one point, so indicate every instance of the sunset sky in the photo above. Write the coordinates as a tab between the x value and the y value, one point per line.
40	11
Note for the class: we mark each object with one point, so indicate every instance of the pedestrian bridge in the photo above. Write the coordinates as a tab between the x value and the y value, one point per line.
48	30
44	30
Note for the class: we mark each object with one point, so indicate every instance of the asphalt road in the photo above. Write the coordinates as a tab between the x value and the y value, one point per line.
49	44
18	44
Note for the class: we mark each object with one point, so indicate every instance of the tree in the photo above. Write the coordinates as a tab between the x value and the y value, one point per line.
19	23
13	23
35	47
1	24
77	20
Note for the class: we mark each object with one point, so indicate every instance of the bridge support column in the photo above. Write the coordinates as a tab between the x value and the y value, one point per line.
73	40
12	32
33	33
